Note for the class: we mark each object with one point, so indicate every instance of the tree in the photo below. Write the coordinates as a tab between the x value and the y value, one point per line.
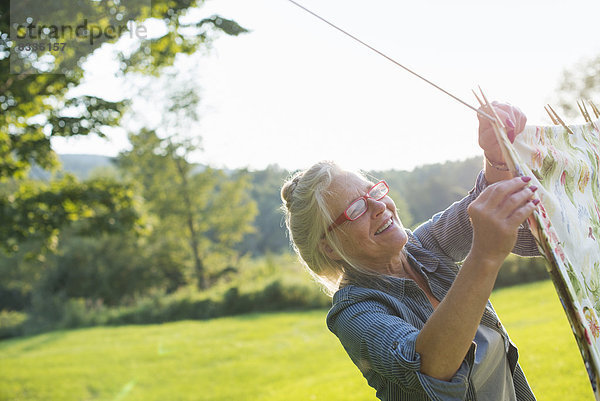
270	235
208	210
211	211
36	107
402	208
37	210
431	188
582	81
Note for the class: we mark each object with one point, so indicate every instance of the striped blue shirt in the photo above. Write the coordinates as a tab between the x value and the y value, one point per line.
378	329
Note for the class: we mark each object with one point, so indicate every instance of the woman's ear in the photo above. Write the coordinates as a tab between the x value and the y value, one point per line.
328	250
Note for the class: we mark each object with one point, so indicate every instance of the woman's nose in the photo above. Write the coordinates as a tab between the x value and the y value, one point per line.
376	207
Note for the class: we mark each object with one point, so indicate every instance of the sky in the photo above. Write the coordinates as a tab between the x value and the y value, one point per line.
294	91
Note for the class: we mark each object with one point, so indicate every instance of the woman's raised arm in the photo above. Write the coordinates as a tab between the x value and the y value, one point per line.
495	215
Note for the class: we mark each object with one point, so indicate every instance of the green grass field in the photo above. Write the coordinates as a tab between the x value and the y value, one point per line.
279	356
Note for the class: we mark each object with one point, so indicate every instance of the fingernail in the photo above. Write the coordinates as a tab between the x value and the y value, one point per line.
533	188
511	130
511	135
526	179
536	201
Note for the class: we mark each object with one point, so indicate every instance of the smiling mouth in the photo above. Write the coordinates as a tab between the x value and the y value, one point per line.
385	226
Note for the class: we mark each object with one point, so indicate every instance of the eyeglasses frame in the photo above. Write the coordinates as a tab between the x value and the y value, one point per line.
344	216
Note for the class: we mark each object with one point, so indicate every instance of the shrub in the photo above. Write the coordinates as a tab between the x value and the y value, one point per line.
273	283
519	270
11	323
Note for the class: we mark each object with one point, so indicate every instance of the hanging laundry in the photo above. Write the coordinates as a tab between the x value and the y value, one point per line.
564	163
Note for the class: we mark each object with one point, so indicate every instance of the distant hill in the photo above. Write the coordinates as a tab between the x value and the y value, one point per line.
79	164
83	164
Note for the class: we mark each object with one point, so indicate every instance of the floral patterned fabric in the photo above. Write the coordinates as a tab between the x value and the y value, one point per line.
566	169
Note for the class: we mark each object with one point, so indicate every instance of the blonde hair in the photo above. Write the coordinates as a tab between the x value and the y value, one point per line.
307	218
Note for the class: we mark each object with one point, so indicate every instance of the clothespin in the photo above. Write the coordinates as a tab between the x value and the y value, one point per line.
594	109
557	118
551	116
584	111
488	105
500	132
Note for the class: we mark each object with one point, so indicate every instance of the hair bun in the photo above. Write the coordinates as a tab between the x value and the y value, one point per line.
287	190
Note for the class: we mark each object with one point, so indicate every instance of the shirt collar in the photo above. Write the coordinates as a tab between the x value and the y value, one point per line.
420	257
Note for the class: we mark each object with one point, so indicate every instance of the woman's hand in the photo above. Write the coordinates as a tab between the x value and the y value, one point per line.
513	119
496	215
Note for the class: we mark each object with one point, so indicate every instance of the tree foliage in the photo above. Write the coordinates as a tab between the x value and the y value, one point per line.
581	81
270	235
37	210
36	106
431	188
207	210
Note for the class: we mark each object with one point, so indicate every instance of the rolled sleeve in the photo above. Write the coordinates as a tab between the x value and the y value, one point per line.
480	184
454	389
382	345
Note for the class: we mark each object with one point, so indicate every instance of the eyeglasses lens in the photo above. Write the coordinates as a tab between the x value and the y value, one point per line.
356	209
379	191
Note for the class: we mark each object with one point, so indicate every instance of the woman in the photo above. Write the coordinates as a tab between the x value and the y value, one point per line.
417	325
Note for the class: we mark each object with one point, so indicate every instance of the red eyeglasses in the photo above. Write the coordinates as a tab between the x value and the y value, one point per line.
360	205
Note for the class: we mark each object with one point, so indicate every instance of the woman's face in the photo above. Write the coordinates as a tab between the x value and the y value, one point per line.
362	239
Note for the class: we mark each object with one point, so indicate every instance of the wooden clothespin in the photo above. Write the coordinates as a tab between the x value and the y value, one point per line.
488	105
557	118
551	116
584	111
594	109
501	134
